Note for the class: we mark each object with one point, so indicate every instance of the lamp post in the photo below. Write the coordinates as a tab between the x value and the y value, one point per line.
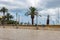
16	20
19	19
36	20
58	16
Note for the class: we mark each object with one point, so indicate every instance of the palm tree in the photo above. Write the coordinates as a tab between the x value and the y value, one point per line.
32	13
48	20
8	16
4	10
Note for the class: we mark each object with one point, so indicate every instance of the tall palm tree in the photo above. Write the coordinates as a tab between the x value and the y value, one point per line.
32	13
4	10
8	16
48	20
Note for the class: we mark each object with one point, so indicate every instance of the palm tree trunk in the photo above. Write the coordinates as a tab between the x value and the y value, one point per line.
32	21
48	20
3	19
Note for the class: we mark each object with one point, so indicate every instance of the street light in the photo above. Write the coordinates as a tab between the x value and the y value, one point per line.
16	20
37	20
58	16
19	19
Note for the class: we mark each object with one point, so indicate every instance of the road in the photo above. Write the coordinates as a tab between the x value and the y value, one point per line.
27	34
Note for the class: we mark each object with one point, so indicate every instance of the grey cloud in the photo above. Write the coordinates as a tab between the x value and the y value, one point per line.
52	4
41	6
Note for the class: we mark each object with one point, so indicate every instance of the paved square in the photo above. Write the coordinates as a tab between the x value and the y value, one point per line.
25	34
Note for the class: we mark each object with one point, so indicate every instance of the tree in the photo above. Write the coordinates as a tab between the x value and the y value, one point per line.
8	20
8	17
21	23
4	10
48	20
32	13
0	19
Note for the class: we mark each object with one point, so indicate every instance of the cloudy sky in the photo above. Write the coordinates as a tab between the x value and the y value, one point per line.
44	8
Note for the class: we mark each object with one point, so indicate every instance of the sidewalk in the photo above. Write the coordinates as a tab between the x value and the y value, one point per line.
26	34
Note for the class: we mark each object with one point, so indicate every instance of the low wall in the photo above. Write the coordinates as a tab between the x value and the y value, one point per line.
30	26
